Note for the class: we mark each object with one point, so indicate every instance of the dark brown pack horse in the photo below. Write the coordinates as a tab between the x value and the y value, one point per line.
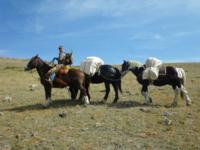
107	74
170	78
74	79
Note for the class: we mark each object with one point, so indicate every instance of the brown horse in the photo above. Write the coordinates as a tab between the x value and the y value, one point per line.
74	79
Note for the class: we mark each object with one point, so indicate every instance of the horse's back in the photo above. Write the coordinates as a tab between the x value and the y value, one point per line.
76	72
109	72
171	71
73	75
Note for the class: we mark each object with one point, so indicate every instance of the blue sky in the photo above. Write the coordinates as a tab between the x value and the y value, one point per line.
111	29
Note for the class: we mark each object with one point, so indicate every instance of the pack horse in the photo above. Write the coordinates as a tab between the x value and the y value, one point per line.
97	72
174	77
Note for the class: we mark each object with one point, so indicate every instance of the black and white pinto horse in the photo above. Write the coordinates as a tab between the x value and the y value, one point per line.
106	74
171	77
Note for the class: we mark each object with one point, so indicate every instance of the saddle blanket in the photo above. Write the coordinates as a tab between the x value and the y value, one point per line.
91	65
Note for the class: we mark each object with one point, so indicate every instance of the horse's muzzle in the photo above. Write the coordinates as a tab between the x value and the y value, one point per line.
123	73
26	69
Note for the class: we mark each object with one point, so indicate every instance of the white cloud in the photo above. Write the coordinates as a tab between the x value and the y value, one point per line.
2	51
185	33
115	8
83	8
131	13
146	36
193	6
157	37
36	27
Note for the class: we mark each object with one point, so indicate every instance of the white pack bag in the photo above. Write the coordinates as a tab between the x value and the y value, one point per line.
153	62
91	65
152	69
150	73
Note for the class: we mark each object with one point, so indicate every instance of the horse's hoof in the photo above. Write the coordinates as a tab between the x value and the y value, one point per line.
85	105
174	105
188	104
114	102
47	103
150	100
45	106
86	100
103	101
145	104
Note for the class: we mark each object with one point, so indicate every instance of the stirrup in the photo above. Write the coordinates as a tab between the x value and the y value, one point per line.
49	81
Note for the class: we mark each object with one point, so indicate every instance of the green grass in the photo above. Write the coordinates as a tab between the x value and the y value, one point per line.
26	125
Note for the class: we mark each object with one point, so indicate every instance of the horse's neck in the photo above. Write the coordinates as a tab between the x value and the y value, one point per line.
136	71
42	69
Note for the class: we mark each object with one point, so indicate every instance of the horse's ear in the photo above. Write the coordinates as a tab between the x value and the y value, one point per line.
37	56
71	53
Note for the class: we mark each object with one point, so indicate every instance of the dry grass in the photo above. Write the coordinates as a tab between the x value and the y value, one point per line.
26	125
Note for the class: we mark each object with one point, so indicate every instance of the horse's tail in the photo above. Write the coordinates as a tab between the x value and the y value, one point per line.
119	82
184	76
182	94
120	86
183	81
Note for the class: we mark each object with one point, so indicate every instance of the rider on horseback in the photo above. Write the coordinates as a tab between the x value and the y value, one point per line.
62	63
60	57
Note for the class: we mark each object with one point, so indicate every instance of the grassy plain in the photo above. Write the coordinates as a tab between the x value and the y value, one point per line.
24	124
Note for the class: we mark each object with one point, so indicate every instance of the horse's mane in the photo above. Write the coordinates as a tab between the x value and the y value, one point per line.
44	62
134	63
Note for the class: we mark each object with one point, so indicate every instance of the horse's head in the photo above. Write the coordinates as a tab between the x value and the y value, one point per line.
68	60
130	65
33	63
125	66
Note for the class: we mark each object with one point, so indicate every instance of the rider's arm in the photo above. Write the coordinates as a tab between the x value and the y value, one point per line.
61	56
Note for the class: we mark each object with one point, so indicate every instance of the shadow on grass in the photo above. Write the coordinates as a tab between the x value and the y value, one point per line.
55	104
71	103
126	104
97	103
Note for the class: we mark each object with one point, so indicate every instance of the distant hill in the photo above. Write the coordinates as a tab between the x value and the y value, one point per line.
14	62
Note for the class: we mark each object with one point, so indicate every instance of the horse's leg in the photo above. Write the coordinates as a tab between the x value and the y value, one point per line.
184	94
87	86
61	82
74	92
145	94
80	96
85	98
48	101
115	86
107	86
176	94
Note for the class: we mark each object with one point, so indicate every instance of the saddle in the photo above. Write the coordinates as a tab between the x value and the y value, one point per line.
63	70
162	71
